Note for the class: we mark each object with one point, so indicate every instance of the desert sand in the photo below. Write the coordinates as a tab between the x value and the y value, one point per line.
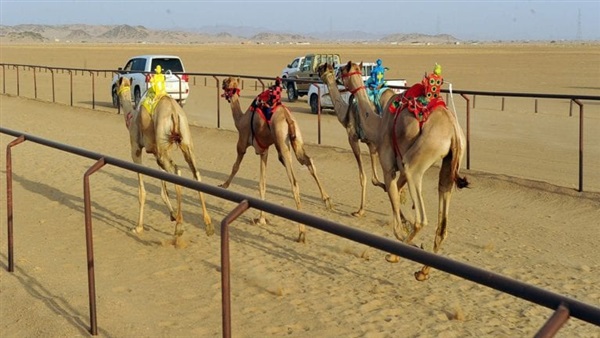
522	217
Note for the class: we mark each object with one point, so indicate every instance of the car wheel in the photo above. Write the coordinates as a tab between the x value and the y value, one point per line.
291	92
284	82
137	97
314	104
115	98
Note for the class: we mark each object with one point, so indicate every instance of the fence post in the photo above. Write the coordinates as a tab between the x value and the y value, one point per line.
218	104
9	201
34	83
90	244
225	266
580	144
53	91
468	130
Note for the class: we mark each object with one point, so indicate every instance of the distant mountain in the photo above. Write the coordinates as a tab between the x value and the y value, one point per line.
126	32
210	34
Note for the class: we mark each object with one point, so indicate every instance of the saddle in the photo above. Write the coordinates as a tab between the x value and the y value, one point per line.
420	99
375	96
266	102
151	101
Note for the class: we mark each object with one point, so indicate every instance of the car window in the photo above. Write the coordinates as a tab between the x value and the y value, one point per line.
295	63
138	65
128	65
307	62
174	65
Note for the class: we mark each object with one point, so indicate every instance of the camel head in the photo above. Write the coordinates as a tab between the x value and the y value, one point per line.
230	87
325	69
351	75
123	83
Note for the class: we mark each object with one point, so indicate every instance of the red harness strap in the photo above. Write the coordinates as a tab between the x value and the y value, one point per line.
353	91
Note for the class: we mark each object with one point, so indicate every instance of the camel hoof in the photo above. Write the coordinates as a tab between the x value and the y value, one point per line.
328	204
224	185
302	238
421	276
210	230
260	221
137	230
358	213
392	258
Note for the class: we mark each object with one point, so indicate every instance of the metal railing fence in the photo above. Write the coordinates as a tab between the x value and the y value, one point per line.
564	306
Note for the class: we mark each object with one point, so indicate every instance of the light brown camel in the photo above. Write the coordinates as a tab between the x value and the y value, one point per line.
407	149
367	132
283	132
158	132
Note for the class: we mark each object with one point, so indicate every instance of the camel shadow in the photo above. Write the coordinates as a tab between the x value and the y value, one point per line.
53	302
99	104
298	254
76	203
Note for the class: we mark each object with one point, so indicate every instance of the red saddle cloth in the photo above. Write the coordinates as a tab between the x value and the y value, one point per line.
417	102
266	102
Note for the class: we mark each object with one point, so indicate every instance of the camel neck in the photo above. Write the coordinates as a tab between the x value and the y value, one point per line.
125	102
236	108
339	105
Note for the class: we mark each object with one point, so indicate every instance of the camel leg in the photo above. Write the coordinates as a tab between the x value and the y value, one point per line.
305	160
445	186
241	151
166	163
393	182
285	157
136	155
374	160
191	161
361	174
262	184
164	194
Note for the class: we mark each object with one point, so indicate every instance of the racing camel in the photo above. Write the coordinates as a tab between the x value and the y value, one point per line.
157	132
415	134
257	130
367	132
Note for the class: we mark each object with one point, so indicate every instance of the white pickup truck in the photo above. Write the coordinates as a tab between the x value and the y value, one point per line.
326	103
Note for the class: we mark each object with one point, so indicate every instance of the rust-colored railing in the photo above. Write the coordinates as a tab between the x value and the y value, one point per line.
564	306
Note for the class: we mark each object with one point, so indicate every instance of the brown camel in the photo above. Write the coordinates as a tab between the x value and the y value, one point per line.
407	148
283	131
367	132
158	132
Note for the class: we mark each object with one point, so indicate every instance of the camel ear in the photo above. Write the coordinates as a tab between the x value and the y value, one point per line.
360	66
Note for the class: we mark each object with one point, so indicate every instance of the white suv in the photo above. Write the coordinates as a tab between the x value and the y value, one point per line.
140	68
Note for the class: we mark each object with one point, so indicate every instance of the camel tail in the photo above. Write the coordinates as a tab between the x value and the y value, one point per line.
458	148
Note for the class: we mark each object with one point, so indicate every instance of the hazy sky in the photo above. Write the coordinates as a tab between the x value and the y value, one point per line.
465	20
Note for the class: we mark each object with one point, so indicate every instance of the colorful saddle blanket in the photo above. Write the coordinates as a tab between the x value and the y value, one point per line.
266	102
151	101
417	102
375	96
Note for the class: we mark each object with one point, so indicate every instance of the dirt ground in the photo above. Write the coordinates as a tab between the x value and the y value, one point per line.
522	217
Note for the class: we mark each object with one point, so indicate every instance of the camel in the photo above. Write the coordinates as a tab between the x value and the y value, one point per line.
282	130
367	132
158	132
408	147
